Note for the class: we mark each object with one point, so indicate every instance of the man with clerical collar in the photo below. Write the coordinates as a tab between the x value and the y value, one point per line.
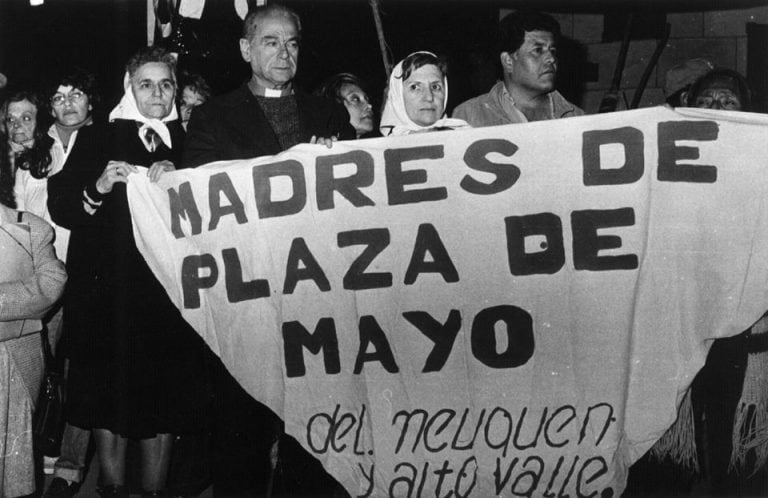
265	116
528	55
268	114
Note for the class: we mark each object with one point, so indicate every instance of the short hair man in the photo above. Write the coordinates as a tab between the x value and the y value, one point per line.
528	55
268	114
265	116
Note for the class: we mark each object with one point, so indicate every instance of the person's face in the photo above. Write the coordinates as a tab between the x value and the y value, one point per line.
70	106
424	95
360	109
154	89
272	51
717	98
533	66
20	121
189	100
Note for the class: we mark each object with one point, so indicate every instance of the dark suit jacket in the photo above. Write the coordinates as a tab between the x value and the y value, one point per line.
233	126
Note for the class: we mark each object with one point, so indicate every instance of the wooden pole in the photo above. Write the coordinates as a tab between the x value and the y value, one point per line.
651	64
382	42
610	100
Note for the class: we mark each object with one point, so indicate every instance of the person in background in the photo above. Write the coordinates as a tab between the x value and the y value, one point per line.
719	388
26	120
722	396
193	91
347	89
416	97
679	79
31	158
70	108
528	55
723	89
31	282
135	370
72	103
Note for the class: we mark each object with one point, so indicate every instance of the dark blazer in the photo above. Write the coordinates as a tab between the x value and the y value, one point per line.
233	126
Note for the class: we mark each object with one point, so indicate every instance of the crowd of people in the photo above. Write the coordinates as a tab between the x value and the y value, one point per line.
136	372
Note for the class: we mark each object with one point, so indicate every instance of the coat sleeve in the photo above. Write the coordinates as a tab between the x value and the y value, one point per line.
200	143
69	202
35	294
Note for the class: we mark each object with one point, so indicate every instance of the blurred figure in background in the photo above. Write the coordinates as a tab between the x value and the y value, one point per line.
193	91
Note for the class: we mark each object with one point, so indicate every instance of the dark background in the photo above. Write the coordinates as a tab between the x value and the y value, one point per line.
38	43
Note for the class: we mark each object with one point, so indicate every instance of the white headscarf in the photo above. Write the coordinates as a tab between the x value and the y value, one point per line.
395	120
127	109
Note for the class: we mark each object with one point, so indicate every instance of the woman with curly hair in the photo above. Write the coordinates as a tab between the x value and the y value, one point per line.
25	119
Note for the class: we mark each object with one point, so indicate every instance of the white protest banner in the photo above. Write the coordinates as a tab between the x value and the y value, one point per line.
510	311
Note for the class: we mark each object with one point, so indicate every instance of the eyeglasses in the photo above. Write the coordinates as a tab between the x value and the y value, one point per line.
74	97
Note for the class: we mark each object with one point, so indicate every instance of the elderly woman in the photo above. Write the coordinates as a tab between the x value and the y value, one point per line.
29	144
31	281
134	369
417	96
347	89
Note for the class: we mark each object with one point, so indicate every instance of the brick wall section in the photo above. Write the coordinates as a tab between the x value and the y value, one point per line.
719	36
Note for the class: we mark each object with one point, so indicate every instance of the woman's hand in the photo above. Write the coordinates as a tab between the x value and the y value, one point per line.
328	142
116	171
157	169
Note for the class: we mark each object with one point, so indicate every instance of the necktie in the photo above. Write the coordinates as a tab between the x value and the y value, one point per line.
152	138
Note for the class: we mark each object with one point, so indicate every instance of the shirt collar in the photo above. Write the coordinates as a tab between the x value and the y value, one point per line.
262	91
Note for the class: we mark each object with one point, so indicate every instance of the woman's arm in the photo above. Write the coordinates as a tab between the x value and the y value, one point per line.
73	196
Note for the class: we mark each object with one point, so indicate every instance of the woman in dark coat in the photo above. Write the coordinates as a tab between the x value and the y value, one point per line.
135	362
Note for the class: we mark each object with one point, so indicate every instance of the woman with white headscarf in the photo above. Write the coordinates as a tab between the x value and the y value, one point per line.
416	97
135	363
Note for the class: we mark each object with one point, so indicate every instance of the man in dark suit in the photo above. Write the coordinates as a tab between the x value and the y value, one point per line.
265	116
268	114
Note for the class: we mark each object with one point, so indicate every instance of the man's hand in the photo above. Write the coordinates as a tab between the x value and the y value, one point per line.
115	171
157	169
328	142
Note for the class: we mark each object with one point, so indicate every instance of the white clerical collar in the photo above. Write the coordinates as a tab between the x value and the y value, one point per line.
261	91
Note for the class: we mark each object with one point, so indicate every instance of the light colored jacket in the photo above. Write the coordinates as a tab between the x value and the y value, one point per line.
31	278
31	281
487	109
